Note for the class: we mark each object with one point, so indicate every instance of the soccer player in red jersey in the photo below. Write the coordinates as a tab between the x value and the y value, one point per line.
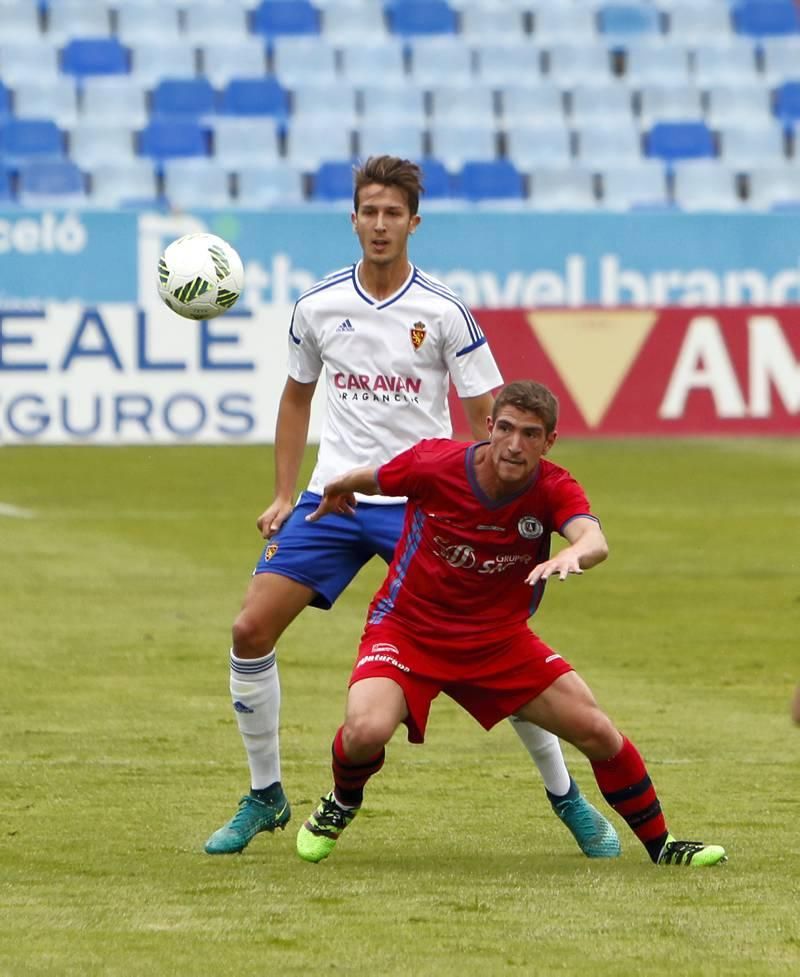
471	566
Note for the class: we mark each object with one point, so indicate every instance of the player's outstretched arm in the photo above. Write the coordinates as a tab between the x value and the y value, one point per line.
587	547
291	432
340	496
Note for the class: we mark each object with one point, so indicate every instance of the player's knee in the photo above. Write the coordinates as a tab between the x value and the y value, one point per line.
251	636
365	734
596	735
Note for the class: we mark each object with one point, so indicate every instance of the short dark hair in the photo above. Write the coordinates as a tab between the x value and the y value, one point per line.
531	397
390	171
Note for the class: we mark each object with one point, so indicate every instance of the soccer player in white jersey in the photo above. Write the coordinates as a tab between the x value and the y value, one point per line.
389	339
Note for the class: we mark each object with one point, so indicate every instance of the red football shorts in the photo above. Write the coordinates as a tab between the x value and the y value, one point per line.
491	681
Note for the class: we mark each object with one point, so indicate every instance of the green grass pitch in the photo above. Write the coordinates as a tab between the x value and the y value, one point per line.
120	752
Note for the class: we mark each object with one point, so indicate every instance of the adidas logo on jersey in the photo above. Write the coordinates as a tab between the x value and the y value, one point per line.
346	326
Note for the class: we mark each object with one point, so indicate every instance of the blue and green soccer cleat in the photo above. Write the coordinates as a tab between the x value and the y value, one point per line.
594	833
693	853
318	836
252	817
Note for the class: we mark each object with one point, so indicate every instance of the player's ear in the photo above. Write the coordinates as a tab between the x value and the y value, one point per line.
414	223
550	440
353	219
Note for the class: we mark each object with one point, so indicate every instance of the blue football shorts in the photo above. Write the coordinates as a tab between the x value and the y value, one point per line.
326	555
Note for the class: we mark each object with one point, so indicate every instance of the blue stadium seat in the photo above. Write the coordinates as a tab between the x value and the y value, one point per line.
269	185
679	140
705	185
188	98
787	103
254	96
6	186
762	18
332	181
167	139
274	17
622	23
5	102
23	139
94	56
435	178
489	180
410	17
50	181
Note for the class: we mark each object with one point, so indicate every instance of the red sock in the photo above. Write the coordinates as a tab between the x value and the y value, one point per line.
348	777
626	785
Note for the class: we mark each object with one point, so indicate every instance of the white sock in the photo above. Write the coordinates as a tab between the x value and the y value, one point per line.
256	695
545	751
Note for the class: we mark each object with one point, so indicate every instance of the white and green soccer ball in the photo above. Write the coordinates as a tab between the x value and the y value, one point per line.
200	276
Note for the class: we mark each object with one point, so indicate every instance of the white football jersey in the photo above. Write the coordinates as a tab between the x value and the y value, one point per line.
388	366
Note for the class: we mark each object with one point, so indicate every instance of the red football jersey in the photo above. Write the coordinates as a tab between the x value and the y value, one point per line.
459	569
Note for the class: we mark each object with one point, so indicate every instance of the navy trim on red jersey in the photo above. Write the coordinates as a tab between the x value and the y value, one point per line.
412	541
480	495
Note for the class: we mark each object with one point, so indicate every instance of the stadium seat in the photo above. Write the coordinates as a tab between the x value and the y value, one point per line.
187	98
254	96
308	143
223	61
485	23
610	103
133	25
94	56
269	185
379	64
705	185
454	103
562	189
641	186
48	99
742	147
131	183
404	105
397	139
85	20
150	62
665	104
505	63
623	23
200	18
343	21
335	104
20	22
411	17
242	143
717	64
24	139
435	179
602	147
25	60
787	103
560	22
5	102
440	61
6	186
300	60
114	100
541	145
661	64
781	57
488	180
774	188
762	18
91	145
453	143
196	184
691	23
574	64
163	140
532	105
672	141
333	181
275	17
52	182
742	105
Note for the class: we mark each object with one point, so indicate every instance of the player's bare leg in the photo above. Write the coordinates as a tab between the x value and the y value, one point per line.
271	603
568	708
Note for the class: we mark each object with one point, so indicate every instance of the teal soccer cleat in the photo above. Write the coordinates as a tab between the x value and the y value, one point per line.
252	817
594	833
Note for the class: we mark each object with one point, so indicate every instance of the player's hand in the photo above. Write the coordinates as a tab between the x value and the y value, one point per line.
271	519
334	501
562	565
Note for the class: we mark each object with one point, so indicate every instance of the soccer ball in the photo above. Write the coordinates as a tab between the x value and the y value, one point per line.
200	276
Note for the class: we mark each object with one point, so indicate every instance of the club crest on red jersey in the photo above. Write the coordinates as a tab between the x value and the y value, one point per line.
529	527
418	333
